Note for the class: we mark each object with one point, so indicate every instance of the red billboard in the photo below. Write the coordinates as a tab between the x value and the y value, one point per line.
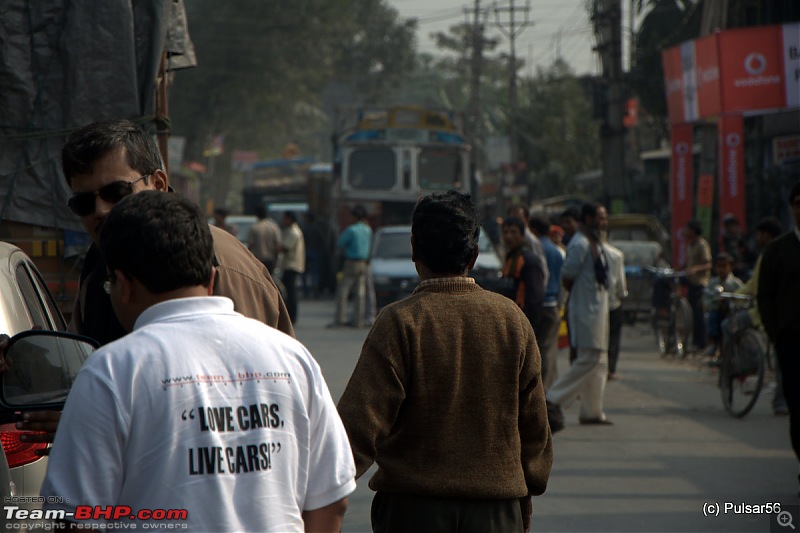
681	186
752	69
734	71
732	189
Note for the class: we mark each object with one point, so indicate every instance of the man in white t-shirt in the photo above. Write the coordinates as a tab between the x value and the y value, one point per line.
198	409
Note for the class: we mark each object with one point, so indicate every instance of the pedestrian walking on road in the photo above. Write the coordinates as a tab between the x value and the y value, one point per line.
778	303
354	244
448	403
264	239
523	279
617	292
549	318
293	261
585	274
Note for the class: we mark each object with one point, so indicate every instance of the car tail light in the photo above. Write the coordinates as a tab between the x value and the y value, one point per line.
18	453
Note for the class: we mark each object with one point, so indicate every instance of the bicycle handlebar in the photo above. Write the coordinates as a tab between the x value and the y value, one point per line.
662	272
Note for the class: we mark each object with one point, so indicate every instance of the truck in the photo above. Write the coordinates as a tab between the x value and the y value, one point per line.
60	73
386	158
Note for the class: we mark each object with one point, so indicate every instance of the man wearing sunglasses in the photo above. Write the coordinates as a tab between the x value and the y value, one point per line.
104	162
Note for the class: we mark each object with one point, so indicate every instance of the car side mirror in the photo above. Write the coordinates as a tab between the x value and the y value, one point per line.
41	368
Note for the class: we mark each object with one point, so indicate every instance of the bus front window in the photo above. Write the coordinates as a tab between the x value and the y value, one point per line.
440	169
372	169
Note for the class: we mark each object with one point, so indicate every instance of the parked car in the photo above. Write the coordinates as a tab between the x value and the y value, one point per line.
25	304
395	276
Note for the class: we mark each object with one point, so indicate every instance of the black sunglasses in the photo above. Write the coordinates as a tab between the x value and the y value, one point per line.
83	203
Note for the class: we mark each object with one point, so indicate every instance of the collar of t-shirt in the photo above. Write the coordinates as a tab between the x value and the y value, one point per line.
178	307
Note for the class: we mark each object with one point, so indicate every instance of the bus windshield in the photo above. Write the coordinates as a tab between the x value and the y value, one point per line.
372	168
439	169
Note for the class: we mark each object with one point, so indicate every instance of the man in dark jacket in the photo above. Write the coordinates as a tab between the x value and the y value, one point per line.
778	302
523	278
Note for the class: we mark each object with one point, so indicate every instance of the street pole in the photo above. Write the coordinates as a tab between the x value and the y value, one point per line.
511	29
608	27
474	111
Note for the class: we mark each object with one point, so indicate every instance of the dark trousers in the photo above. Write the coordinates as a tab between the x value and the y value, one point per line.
290	282
787	348
401	513
614	338
695	297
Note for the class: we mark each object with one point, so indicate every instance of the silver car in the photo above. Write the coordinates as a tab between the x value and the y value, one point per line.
25	304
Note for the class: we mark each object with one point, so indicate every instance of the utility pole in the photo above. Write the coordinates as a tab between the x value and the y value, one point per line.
607	20
512	28
474	110
476	64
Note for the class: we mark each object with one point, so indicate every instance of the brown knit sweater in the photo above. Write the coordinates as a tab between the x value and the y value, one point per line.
447	397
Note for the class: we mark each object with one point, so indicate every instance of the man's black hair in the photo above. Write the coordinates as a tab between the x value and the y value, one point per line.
769	225
221	211
589	209
359	212
516	222
695	226
261	212
445	229
86	145
794	193
571	212
539	224
160	239
290	215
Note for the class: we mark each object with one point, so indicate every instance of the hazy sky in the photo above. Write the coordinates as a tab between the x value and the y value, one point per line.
554	26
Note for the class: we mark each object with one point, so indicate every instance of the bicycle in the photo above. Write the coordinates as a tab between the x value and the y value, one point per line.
672	332
744	356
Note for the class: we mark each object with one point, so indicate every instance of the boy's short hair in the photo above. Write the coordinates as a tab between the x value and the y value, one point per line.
160	239
445	229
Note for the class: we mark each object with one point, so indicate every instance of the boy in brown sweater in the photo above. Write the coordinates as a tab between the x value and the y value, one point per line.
447	396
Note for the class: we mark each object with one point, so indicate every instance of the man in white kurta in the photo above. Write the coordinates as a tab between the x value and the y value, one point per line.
588	320
199	409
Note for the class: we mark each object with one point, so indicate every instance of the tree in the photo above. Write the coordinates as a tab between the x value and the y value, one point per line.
263	65
558	139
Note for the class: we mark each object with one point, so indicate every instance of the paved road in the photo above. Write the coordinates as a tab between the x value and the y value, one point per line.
672	448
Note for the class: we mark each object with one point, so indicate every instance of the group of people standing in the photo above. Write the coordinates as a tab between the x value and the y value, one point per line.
588	279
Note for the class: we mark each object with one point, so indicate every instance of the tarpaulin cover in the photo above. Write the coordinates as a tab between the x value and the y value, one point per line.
63	65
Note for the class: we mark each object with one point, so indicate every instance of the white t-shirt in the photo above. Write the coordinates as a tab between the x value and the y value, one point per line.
202	409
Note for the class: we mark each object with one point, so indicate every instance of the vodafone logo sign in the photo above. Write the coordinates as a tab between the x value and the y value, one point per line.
682	148
733	140
755	63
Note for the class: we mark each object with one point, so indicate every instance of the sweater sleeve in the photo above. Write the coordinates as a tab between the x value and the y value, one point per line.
535	437
375	392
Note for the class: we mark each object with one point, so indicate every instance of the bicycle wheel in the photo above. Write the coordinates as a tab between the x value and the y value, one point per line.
682	326
742	373
661	332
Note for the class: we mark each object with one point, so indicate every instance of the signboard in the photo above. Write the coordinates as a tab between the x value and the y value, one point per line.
752	70
734	71
786	149
731	172
791	63
681	183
